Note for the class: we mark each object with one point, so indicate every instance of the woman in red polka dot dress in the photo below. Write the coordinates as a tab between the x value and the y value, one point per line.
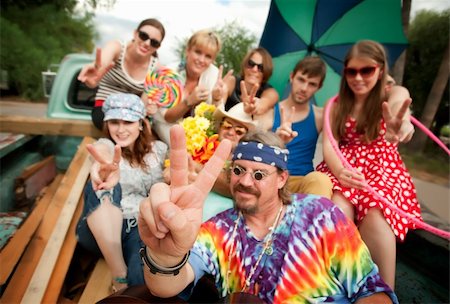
368	131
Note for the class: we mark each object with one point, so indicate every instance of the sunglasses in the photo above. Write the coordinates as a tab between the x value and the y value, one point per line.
144	37
251	64
227	126
365	72
257	175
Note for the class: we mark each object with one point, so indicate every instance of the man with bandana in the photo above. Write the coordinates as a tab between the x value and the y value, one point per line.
281	248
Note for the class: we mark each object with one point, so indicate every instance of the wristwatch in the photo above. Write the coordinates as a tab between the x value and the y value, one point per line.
155	268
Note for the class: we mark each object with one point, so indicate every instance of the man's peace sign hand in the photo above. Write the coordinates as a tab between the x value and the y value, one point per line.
170	218
284	131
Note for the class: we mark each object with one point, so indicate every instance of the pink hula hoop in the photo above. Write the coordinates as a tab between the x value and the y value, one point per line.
418	223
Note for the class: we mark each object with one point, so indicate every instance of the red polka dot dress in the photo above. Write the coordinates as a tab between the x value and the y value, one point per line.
384	170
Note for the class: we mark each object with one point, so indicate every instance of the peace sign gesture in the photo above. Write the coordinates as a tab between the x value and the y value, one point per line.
104	174
249	100
284	131
220	89
398	126
170	218
91	74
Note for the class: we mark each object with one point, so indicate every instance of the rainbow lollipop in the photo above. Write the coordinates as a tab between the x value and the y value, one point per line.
164	87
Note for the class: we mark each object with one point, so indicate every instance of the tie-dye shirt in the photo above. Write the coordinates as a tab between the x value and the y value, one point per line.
316	256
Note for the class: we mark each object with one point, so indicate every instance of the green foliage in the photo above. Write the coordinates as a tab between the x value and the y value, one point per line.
445	131
236	41
31	42
428	36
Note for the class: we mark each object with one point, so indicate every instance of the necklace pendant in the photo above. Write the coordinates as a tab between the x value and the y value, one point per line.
269	250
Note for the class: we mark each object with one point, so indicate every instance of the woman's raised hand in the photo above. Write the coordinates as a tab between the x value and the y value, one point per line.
104	174
92	73
170	218
398	127
219	91
249	99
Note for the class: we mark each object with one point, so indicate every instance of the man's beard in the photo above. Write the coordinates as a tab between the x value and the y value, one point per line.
248	209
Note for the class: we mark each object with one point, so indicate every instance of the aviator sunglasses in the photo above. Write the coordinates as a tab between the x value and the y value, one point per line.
256	175
144	37
365	72
251	64
227	126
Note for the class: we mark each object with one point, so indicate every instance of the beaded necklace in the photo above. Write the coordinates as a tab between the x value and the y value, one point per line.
266	250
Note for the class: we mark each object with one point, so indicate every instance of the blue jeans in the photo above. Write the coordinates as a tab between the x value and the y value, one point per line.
131	241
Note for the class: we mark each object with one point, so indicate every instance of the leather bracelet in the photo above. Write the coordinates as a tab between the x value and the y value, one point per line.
155	268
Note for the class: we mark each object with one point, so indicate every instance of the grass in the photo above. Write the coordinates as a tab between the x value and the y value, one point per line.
432	165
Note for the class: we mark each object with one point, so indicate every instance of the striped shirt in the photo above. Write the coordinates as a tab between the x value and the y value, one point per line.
117	79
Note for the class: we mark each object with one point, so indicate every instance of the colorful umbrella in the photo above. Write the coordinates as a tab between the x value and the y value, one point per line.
328	28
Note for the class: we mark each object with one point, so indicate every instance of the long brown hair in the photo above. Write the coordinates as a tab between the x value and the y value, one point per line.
142	146
267	63
368	121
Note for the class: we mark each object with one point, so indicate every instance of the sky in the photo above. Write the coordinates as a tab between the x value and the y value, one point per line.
181	18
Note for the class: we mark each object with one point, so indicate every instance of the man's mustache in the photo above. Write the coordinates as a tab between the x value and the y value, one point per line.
250	190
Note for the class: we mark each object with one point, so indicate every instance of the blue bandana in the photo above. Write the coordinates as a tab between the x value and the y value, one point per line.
258	152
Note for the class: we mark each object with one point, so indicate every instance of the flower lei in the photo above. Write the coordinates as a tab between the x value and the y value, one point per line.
201	138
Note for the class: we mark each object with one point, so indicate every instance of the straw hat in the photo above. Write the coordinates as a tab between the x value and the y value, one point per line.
236	113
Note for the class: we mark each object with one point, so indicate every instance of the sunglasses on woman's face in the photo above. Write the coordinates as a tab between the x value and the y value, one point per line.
144	37
251	64
365	72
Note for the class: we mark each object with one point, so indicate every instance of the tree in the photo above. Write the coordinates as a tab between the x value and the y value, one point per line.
399	66
428	36
236	41
433	101
29	43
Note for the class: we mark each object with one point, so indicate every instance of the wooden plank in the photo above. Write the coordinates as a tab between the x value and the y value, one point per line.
10	254
23	108
41	276
64	259
9	142
33	179
47	126
99	284
33	168
24	271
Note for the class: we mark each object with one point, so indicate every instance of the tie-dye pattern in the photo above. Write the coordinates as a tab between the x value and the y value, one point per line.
318	256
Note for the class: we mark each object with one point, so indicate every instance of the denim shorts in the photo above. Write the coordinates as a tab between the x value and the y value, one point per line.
131	241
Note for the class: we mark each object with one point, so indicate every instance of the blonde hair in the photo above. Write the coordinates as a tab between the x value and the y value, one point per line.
368	121
206	39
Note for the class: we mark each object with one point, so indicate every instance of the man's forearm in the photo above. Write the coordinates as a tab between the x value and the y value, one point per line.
167	285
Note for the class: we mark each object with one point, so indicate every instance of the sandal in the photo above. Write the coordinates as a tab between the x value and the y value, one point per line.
119	283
